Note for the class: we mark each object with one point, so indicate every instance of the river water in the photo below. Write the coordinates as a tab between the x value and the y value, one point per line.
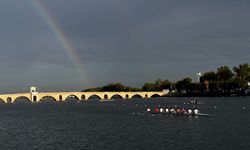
111	126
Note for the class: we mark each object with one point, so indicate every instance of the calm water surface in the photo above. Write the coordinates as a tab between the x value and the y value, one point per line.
110	125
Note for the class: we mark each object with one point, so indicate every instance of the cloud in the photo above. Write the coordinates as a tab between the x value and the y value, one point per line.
163	38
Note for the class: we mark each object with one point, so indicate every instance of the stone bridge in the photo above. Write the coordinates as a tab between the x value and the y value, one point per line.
34	96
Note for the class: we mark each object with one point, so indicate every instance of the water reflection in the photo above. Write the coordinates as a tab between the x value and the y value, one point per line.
110	125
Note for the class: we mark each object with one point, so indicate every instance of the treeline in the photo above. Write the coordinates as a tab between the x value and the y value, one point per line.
227	82
112	87
222	82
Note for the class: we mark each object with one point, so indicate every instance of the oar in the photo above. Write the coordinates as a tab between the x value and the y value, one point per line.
205	115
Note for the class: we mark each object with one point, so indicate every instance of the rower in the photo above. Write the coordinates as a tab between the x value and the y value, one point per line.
178	110
172	111
189	111
156	110
161	110
148	110
196	111
167	110
183	111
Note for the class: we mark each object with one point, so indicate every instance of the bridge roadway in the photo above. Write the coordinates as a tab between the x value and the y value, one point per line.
63	96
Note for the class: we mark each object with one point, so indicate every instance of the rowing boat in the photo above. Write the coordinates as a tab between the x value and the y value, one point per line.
172	114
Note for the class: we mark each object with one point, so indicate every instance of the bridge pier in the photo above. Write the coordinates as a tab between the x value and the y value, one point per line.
33	94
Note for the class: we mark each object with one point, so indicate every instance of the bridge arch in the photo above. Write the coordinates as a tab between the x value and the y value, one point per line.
155	95
116	96
2	101
137	96
47	99
72	99
22	99
94	97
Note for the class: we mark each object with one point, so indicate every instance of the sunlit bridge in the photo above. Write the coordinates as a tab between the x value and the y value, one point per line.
74	97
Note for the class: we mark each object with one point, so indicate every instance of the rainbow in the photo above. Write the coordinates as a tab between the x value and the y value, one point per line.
60	35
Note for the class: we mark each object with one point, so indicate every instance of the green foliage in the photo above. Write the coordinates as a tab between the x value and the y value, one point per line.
148	87
226	80
114	87
208	76
243	71
159	85
184	84
133	89
166	85
213	85
195	87
238	82
224	73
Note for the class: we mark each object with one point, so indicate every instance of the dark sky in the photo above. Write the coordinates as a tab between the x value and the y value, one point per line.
128	41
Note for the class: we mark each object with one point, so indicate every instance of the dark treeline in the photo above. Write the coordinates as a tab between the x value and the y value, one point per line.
113	87
222	82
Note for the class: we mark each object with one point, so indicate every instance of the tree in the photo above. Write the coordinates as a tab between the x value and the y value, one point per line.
133	89
148	87
184	84
114	87
243	71
166	85
209	76
195	87
213	85
242	75
224	73
158	82
158	85
239	83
